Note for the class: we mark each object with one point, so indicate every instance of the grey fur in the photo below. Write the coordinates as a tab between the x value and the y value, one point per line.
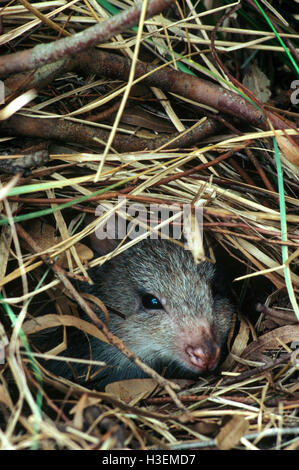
197	311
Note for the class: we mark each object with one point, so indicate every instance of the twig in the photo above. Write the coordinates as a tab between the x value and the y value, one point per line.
195	398
194	88
256	371
289	317
23	164
197	168
249	437
68	131
52	52
260	170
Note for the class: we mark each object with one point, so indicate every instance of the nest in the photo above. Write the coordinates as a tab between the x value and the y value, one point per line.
90	134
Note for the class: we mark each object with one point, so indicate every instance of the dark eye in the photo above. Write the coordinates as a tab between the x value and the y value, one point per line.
151	302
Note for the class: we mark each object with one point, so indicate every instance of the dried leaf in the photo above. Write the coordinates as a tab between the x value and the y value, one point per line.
183	383
44	235
193	235
98	302
205	427
289	149
141	118
51	320
257	82
83	252
3	343
78	410
269	340
5	398
231	433
128	390
239	345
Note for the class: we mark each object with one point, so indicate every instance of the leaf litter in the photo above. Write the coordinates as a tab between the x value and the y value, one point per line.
252	403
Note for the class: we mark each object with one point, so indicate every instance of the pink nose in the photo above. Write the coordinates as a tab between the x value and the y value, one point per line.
205	358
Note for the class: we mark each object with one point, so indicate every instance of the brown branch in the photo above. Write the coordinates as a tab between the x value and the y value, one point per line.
196	398
239	399
101	32
68	131
184	84
286	315
111	65
36	79
23	164
106	64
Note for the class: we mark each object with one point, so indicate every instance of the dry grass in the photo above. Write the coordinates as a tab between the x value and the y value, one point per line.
253	403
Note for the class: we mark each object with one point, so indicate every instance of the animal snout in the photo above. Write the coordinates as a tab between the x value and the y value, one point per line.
204	356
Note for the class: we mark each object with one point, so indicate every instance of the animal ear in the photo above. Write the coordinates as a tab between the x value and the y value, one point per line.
109	231
113	225
102	247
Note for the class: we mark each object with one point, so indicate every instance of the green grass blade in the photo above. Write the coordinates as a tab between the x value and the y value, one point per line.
284	232
294	63
43	212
